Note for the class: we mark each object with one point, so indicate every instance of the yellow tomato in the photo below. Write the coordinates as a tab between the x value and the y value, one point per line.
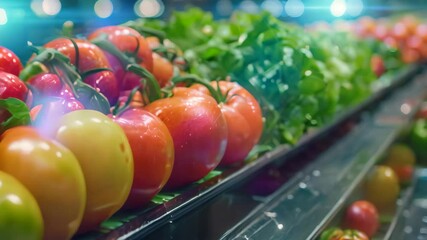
105	156
382	187
401	159
51	173
20	216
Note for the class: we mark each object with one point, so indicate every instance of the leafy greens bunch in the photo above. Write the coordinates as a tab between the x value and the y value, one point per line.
301	79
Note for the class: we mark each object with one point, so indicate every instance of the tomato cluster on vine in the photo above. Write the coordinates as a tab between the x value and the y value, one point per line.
92	126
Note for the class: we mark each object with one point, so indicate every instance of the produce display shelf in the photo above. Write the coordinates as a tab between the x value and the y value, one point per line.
302	209
139	223
411	220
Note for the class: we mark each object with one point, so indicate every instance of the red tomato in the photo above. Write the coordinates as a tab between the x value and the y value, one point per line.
422	111
414	42
244	120
46	84
128	41
51	173
153	154
401	158
12	87
53	99
9	62
377	65
400	31
363	216
381	31
404	173
162	69
410	55
199	133
421	31
90	57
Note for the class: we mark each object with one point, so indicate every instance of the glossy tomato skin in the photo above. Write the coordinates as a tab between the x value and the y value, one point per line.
377	65
199	132
162	70
244	120
53	99
46	84
401	158
105	156
382	187
90	57
21	218
9	62
51	173
128	41
12	86
153	154
363	216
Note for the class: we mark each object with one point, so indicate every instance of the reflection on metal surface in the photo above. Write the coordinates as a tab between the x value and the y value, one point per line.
306	206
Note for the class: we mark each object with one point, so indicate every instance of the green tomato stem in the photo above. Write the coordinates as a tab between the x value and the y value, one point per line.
191	79
153	92
106	45
31	70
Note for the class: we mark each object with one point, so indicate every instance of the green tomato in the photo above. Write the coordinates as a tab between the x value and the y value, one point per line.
332	233
51	173
20	217
418	139
103	151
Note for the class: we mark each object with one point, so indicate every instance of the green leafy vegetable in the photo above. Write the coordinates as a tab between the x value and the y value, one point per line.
19	113
301	79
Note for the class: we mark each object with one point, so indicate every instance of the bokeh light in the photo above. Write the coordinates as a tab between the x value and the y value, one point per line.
103	8
294	8
338	8
275	7
149	8
3	16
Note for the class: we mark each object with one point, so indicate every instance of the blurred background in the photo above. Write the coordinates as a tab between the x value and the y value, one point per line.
41	20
